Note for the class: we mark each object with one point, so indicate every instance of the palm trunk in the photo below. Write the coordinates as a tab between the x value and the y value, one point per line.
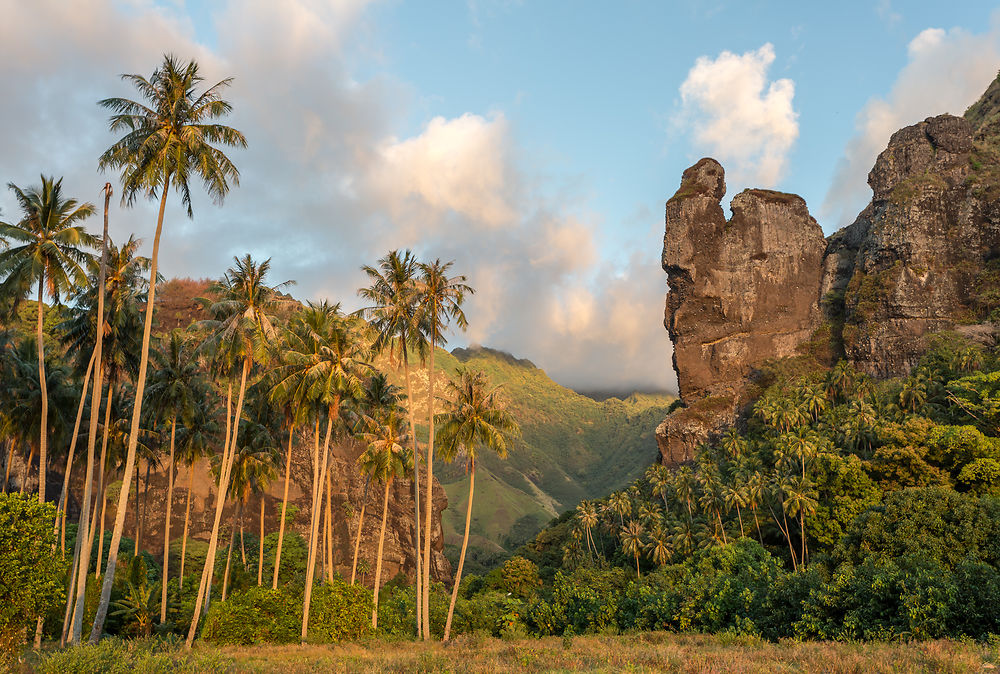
133	435
418	570
429	507
725	540
101	523
361	524
637	574
260	554
6	472
70	603
756	522
243	543
102	478
43	452
461	557
166	523
224	475
802	526
187	520
740	516
63	497
138	495
229	556
27	467
284	507
329	528
145	501
378	557
314	527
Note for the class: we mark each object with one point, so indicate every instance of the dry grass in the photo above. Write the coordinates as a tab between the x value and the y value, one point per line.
646	652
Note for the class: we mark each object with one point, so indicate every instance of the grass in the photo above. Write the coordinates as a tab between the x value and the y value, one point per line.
643	652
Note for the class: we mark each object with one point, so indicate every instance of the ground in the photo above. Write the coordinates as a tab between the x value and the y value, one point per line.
644	652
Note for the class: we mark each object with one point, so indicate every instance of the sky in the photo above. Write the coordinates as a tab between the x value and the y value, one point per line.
533	143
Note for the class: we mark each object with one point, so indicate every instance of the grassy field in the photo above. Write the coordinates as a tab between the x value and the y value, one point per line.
646	652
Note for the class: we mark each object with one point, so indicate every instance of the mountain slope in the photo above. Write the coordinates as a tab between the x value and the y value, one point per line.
572	447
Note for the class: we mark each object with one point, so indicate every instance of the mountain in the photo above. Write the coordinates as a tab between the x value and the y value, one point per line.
572	448
922	257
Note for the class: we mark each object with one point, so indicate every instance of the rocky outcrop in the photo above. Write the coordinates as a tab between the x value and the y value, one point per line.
742	291
922	257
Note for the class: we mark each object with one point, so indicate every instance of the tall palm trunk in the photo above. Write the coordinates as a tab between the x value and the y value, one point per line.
10	460
102	478
103	495
418	570
319	483
145	500
166	523
361	526
133	435
461	557
95	412
378	557
284	507
187	520
756	522
740	516
224	475
802	527
329	528
229	555
138	523
70	596
429	506
43	451
260	554
64	495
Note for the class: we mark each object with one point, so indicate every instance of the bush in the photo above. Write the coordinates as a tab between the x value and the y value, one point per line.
255	615
340	612
31	576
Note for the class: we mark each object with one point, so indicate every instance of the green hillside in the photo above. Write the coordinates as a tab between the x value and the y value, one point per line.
572	447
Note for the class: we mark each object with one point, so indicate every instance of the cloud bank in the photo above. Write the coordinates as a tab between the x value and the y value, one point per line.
946	71
740	117
328	184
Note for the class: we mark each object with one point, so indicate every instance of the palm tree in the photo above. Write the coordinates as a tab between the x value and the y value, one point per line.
380	399
242	328
50	257
474	417
685	484
170	140
660	544
193	440
632	542
395	316
658	477
172	393
586	513
801	500
441	300
384	459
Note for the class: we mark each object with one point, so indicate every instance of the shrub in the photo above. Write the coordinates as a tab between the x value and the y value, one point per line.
520	577
340	612
31	576
255	615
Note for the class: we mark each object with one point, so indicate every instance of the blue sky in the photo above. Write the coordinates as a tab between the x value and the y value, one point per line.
533	142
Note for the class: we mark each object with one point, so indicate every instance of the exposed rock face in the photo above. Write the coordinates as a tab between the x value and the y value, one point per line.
922	257
742	291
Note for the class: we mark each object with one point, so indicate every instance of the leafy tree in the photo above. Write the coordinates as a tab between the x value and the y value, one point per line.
31	577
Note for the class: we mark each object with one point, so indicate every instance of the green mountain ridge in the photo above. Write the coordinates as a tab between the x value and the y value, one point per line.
572	447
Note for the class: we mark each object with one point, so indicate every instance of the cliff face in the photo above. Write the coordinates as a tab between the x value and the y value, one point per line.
741	291
922	257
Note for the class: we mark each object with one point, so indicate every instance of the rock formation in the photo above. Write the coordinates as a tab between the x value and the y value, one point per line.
922	257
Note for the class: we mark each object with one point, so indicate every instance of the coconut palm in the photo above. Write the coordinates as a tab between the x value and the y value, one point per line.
474	417
441	300
394	315
586	514
381	398
383	459
194	438
800	500
242	327
166	142
660	544
173	388
632	542
49	256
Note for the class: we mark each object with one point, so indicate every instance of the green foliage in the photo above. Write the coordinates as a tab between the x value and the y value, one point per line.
939	525
520	577
31	574
254	616
340	612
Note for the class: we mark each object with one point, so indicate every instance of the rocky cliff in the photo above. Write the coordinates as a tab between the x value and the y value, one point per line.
922	257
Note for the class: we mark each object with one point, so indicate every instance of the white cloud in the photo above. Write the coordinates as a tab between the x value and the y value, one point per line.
327	184
946	72
740	117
